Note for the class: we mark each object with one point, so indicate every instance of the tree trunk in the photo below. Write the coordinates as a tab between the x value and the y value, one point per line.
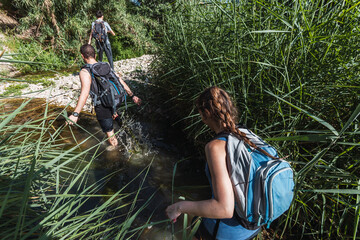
48	5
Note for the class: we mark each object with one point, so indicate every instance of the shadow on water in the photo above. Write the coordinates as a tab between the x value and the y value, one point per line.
141	143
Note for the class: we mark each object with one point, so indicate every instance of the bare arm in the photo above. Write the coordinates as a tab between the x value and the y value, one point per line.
112	32
85	80
90	37
128	91
222	205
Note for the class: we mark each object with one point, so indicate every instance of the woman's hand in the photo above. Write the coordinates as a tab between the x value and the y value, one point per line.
173	211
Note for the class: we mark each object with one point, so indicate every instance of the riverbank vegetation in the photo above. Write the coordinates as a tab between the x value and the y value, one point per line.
52	31
46	187
293	69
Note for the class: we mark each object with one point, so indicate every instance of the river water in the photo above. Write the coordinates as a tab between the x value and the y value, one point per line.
141	142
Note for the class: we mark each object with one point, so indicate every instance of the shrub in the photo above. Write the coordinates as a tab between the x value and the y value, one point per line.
292	69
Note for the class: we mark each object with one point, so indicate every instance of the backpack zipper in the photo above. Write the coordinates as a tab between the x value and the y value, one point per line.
247	188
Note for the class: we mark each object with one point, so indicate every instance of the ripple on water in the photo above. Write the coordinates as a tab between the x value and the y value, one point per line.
140	144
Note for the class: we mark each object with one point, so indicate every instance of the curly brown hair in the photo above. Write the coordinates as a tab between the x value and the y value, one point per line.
217	103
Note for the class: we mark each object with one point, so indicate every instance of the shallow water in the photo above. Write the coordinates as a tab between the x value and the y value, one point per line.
141	142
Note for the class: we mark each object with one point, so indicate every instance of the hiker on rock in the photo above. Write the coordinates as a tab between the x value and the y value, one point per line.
99	31
107	90
218	219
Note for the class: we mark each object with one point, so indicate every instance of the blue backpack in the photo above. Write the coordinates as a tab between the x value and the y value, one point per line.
263	186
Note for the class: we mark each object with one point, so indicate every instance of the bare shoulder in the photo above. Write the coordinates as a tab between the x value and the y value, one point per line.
216	157
85	78
84	74
215	147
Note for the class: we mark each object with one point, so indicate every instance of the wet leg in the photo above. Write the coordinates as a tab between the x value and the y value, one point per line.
112	138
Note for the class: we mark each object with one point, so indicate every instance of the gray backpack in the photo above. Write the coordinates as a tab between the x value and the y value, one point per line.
263	186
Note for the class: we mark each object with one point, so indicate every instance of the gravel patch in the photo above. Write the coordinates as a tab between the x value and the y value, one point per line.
67	88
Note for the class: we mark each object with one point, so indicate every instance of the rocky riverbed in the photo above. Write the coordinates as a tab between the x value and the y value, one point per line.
66	88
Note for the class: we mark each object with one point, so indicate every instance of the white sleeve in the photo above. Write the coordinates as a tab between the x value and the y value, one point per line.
107	26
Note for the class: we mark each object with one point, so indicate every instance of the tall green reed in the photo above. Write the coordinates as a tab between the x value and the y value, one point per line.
45	191
292	67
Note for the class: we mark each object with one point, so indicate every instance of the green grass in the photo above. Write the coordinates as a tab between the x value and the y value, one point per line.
44	183
56	39
14	89
292	68
45	186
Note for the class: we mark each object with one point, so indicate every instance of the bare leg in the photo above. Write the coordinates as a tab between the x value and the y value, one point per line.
112	138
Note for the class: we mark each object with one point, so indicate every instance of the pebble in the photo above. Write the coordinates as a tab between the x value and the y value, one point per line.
67	88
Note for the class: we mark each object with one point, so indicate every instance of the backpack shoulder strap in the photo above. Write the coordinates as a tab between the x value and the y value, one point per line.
113	74
87	67
94	27
222	136
102	23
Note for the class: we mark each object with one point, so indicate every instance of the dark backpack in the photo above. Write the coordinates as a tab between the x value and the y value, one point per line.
106	88
99	32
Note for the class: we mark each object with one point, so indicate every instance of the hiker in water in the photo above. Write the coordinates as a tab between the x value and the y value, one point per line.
99	31
218	219
89	86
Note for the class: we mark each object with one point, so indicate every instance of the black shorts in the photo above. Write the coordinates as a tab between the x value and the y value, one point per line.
203	234
104	117
106	124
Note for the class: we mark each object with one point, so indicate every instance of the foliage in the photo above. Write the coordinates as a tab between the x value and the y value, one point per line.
154	10
45	191
14	89
35	52
57	28
292	67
